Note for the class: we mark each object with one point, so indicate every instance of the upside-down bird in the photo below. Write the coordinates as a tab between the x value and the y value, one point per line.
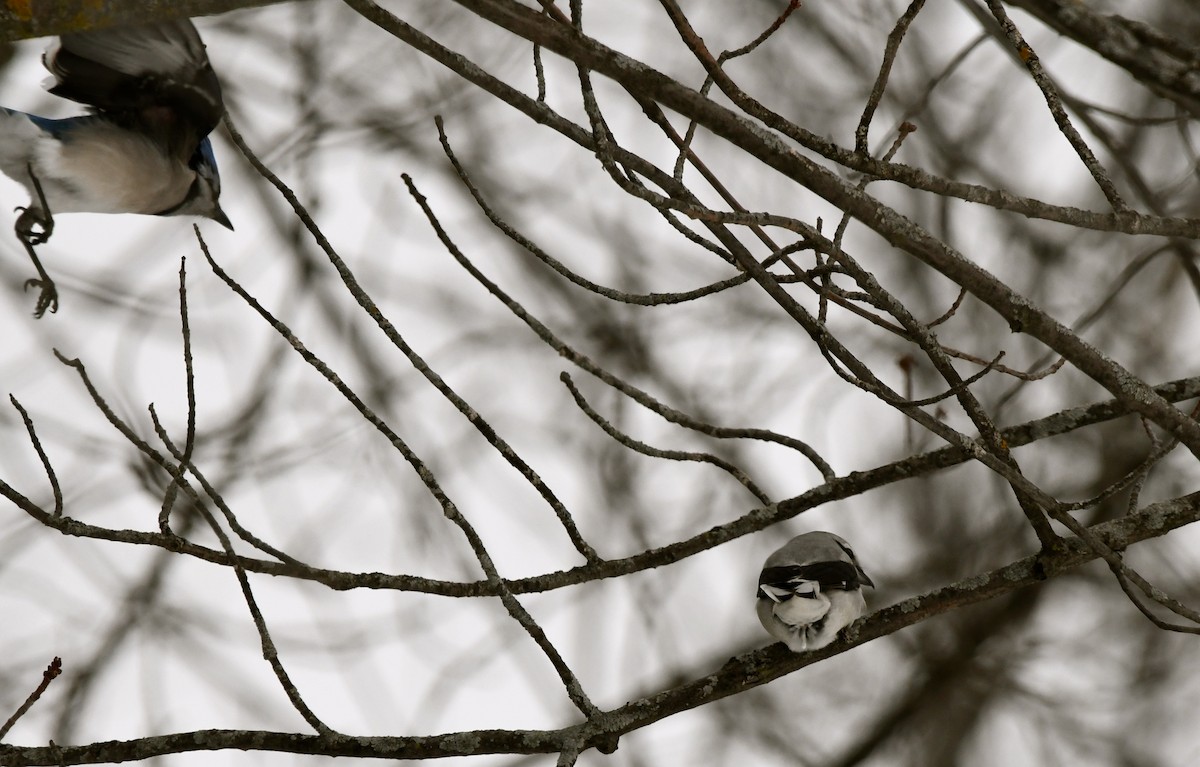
144	147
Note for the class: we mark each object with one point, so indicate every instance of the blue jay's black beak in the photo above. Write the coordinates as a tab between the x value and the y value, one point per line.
219	216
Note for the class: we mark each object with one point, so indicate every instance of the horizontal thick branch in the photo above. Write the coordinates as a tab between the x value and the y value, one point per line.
739	674
34	18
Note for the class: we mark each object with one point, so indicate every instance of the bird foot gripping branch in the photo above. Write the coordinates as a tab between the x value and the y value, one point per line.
144	148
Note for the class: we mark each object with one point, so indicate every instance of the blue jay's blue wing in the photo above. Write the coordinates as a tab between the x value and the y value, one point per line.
153	78
59	128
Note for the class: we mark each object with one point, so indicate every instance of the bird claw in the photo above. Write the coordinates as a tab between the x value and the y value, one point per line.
26	223
47	299
34	227
39	216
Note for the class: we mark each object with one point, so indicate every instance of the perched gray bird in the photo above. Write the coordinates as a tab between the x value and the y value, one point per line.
144	148
809	590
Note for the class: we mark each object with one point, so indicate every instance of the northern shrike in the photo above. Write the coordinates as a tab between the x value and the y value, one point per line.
809	590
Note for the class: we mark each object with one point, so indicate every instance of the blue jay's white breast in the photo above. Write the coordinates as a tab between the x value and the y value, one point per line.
106	169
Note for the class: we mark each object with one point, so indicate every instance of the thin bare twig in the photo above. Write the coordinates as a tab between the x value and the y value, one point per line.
639	299
189	444
673	455
885	68
37	445
49	675
573	687
1031	61
1180	628
173	541
269	652
498	443
1120	569
685	152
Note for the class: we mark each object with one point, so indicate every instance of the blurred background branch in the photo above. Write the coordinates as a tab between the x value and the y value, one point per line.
921	274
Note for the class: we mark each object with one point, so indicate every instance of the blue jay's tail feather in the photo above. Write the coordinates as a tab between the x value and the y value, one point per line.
155	78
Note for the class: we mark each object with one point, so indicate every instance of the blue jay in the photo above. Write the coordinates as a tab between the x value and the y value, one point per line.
809	590
144	148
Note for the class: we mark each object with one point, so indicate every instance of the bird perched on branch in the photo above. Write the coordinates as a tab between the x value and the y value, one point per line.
809	590
144	148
